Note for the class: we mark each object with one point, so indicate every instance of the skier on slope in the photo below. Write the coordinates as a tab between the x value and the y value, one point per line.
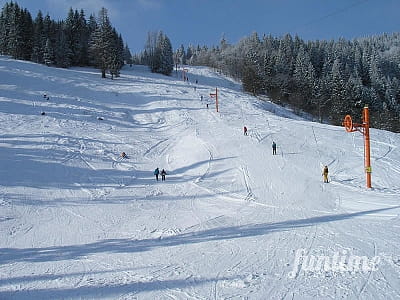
273	148
156	172
163	173
245	130
325	174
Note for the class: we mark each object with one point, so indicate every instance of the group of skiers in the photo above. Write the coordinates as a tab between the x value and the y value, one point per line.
324	172
157	173
163	173
273	143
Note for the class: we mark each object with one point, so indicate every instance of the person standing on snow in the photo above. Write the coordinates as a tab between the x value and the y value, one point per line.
156	172
245	130
325	174
273	148
163	173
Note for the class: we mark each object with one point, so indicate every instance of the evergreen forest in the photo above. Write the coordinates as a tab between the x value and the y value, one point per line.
322	79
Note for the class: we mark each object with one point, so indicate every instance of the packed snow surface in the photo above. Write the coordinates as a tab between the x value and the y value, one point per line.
78	221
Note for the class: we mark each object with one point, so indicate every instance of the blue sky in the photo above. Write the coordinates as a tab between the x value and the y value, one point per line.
204	22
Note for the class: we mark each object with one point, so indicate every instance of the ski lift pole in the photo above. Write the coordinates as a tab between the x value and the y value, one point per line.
367	148
216	98
364	129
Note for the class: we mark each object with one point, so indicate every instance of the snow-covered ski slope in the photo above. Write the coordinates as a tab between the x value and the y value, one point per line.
77	221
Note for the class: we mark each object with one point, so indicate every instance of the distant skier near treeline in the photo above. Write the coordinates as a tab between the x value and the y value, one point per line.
325	174
245	130
156	172
273	148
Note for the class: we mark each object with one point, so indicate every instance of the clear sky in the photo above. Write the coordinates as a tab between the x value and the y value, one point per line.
204	22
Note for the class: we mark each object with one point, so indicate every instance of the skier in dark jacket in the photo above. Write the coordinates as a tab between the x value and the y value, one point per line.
245	130
163	173
273	148
156	172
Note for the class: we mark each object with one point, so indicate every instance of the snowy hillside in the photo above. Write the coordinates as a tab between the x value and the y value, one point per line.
78	221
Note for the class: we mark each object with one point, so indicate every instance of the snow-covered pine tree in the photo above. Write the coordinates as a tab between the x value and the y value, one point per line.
158	53
38	39
48	53
301	70
337	87
120	51
268	66
50	32
252	66
83	39
166	56
285	57
16	30
62	52
127	55
376	76
101	42
181	57
116	59
189	54
27	34
4	29
15	38
150	51
72	35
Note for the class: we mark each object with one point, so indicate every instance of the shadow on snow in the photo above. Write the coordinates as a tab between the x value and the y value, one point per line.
57	253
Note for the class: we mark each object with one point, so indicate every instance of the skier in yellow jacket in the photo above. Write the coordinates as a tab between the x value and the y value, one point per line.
325	174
